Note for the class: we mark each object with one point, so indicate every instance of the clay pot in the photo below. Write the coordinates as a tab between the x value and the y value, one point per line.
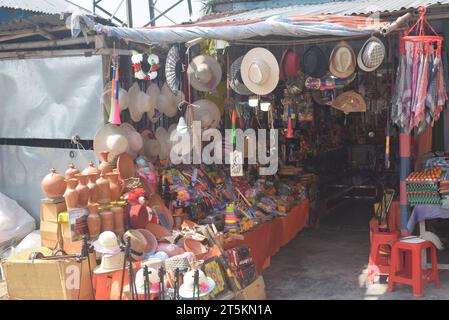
107	220
104	192
119	220
114	186
53	185
70	194
83	190
178	218
93	221
91	169
93	188
105	166
71	171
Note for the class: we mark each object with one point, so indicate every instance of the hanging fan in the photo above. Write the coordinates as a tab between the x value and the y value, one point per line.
173	69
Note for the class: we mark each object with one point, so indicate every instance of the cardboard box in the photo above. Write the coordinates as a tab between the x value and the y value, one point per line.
61	279
50	231
255	291
50	209
54	234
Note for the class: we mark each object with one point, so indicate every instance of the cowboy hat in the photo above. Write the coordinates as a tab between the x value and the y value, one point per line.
110	138
235	79
138	244
207	112
350	101
206	285
135	141
371	55
107	243
204	73
314	62
260	71
342	61
289	64
110	263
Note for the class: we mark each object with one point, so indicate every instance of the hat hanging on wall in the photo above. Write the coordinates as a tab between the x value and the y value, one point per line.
342	61
371	55
350	101
173	68
235	79
141	103
153	92
289	64
260	71
315	62
207	112
204	73
151	147
167	102
110	138
135	141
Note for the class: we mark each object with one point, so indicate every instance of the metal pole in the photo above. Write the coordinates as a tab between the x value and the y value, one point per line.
189	3
151	5
404	152
129	13
163	13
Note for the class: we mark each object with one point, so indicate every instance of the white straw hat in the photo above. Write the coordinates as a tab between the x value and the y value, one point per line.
207	112
107	243
342	61
187	288
151	147
153	92
110	138
371	55
167	102
135	142
260	71
110	263
204	73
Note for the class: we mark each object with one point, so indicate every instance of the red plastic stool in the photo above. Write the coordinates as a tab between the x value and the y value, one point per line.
379	255
414	274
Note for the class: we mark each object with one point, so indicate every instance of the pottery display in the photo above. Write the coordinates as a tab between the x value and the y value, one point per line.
82	189
107	220
91	169
126	167
71	171
93	221
115	187
104	192
70	194
104	167
53	185
93	188
119	220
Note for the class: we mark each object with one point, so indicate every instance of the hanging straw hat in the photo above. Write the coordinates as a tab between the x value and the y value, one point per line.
138	244
135	141
289	64
315	62
204	73
207	112
110	263
350	101
371	55
110	138
260	71
153	92
235	79
151	147
342	61
142	103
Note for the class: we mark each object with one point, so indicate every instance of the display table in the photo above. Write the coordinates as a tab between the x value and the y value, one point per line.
266	239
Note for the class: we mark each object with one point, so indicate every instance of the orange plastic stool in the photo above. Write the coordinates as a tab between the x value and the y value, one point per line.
379	257
414	274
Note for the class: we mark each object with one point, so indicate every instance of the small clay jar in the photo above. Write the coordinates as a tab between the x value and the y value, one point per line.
114	186
83	190
104	167
104	192
93	188
53	185
107	220
70	194
91	169
119	220
71	171
93	221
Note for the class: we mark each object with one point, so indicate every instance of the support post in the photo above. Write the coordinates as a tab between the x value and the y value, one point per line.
129	13
151	6
404	152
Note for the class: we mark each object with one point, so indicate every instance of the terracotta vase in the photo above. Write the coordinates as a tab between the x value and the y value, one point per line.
91	169
93	221
104	192
93	188
114	186
83	190
71	171
105	167
53	185
119	220
107	220
70	194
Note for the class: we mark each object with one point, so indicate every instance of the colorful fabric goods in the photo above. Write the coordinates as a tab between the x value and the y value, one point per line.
145	66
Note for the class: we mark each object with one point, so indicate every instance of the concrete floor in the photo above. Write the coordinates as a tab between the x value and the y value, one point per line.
330	263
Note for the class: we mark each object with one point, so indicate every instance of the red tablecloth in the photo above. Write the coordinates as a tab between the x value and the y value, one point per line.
266	239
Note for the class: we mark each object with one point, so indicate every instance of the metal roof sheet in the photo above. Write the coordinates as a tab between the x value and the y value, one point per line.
42	6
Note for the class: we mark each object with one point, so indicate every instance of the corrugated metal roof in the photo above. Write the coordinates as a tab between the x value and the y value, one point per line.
337	8
43	6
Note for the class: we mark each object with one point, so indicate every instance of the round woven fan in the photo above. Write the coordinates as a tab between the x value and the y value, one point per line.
173	69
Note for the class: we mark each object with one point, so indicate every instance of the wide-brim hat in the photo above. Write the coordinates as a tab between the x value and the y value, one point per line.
110	263
204	73
289	64
153	91
151	240
350	101
235	79
167	102
107	243
315	62
110	138
141	104
260	71
138	244
207	112
135	141
371	55
342	61
151	147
